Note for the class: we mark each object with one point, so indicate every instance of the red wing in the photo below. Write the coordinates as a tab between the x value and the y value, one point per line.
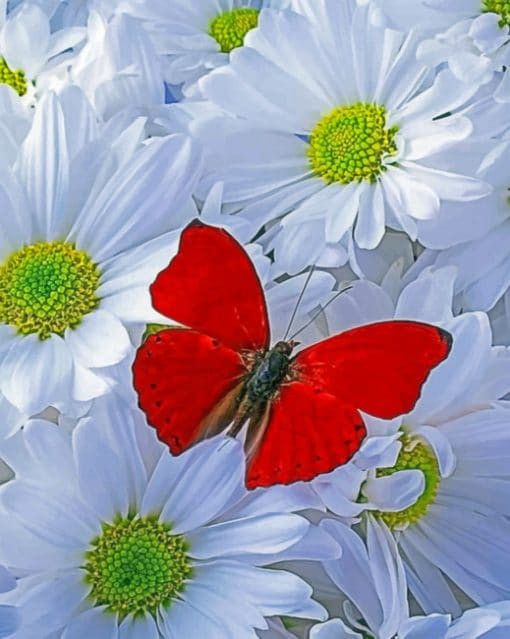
308	432
185	381
211	286
379	368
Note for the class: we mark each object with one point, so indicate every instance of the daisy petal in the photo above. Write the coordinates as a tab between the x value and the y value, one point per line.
24	371
95	622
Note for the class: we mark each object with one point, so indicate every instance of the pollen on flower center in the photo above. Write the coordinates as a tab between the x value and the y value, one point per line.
350	143
415	455
230	28
15	79
501	7
136	565
47	287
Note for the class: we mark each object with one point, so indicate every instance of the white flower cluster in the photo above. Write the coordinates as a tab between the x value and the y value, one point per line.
364	142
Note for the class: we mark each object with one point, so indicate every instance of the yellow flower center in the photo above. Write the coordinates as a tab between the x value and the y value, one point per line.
15	79
47	287
136	565
230	28
350	143
501	7
415	455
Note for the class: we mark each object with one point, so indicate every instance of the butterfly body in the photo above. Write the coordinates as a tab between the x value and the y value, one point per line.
267	371
217	372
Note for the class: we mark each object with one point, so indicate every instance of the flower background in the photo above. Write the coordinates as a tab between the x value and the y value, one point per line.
347	144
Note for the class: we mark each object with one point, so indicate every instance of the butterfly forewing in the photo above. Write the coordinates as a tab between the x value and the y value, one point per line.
378	368
211	286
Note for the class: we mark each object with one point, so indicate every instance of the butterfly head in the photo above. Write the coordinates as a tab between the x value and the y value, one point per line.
285	348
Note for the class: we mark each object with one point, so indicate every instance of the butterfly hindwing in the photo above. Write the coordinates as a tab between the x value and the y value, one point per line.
308	432
378	368
211	286
186	383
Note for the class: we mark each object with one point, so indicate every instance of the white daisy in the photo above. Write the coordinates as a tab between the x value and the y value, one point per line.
30	54
372	578
113	537
443	487
483	263
339	140
470	36
196	37
85	229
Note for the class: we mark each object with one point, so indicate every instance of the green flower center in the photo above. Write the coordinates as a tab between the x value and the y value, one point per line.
350	143
137	565
501	7
47	287
15	79
415	455
230	28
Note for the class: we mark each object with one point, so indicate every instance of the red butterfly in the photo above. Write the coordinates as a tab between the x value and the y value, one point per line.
303	414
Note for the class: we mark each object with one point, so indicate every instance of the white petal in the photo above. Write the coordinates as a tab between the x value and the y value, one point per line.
442	448
9	620
277	499
370	225
95	622
99	340
418	199
63	522
437	137
268	534
25	375
424	627
342	212
260	90
52	603
281	300
183	619
354	561
88	385
44	169
475	623
334	629
396	492
446	94
25	40
218	599
65	39
137	203
275	160
7	581
140	628
211	479
47	447
449	186
101	472
429	298
272	592
389	576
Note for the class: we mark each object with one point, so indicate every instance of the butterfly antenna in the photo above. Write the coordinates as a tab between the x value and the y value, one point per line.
321	310
300	299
